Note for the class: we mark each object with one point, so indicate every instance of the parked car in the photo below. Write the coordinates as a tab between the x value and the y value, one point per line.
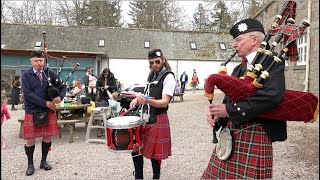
136	88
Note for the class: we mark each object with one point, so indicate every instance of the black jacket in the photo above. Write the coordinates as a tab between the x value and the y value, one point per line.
111	82
186	78
267	98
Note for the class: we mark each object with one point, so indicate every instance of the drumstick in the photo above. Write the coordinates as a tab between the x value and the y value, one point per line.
130	109
134	96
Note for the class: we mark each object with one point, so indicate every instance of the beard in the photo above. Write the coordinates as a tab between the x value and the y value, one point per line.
158	69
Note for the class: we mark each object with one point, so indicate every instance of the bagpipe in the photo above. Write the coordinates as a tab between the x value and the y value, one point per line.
56	85
296	105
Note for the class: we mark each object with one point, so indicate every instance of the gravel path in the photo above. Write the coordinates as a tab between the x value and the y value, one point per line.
296	158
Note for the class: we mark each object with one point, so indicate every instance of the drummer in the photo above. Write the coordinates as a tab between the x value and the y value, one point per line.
156	134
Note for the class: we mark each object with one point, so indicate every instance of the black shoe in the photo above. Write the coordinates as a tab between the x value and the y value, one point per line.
44	165
30	170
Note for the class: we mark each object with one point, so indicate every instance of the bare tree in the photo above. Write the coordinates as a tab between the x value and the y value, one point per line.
73	12
104	13
155	14
221	16
201	17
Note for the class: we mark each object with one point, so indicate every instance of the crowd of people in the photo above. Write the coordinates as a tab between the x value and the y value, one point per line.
253	162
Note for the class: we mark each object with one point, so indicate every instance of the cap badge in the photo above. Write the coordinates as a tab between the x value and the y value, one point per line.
158	53
242	27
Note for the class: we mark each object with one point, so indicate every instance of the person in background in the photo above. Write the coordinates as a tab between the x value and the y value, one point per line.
184	81
156	133
35	88
106	85
252	154
195	81
177	89
15	92
90	82
4	116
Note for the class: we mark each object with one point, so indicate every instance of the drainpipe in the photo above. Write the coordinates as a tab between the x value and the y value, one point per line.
306	82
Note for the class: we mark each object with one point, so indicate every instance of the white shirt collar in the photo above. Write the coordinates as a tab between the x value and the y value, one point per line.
250	57
41	70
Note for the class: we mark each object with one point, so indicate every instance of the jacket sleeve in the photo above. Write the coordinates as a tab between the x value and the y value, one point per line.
267	98
112	85
99	84
28	94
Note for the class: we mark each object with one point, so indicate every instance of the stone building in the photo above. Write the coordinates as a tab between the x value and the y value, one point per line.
123	50
302	75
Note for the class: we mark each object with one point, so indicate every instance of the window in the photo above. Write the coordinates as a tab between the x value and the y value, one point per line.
302	50
101	43
193	46
222	46
38	44
146	44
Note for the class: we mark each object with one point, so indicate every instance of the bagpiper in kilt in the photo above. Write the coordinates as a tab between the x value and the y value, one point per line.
39	106
252	153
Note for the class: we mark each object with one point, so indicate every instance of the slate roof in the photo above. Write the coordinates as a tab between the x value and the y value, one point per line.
121	43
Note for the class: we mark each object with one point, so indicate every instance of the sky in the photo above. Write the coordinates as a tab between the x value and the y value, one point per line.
189	7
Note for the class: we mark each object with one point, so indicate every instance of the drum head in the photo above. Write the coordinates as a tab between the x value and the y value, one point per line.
124	122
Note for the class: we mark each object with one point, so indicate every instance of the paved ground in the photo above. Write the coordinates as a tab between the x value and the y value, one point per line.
296	158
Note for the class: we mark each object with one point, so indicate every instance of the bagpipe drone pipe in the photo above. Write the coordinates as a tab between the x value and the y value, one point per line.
296	105
56	85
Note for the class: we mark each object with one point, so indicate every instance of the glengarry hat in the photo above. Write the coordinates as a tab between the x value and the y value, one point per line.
245	26
37	54
154	53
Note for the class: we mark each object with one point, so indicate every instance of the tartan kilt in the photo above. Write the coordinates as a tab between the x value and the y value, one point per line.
51	129
251	156
157	139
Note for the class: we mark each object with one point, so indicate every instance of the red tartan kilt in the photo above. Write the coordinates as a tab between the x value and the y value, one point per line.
251	156
51	129
157	139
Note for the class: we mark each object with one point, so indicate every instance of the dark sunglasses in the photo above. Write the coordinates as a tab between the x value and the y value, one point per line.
152	62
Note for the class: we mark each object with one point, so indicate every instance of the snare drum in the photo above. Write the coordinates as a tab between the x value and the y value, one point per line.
124	133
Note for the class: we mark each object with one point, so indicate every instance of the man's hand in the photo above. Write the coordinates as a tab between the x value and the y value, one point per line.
215	112
57	100
50	105
133	103
141	99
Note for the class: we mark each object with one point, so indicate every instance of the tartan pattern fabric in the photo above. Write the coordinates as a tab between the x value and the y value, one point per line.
251	157
157	139
51	129
295	106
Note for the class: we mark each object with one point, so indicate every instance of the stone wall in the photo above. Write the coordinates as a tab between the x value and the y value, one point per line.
296	75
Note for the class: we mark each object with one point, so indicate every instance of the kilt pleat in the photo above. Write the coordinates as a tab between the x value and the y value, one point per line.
157	139
251	156
51	129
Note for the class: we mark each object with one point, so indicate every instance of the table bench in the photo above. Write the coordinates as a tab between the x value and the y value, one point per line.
21	121
179	95
69	123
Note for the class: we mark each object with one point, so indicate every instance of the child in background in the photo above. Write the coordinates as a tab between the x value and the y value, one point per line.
92	84
4	116
177	89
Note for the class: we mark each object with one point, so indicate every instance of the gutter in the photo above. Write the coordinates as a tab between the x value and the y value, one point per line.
306	82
